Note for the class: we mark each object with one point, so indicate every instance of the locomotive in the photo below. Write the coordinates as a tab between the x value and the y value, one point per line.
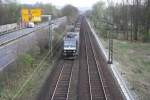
71	45
71	41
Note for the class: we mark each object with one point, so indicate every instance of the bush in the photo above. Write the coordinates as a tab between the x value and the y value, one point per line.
1	88
146	37
27	59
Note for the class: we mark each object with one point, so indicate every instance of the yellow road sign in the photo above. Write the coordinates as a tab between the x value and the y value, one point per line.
25	15
36	19
35	14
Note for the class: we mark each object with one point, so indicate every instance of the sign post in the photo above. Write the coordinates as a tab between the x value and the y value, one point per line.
33	15
50	34
25	15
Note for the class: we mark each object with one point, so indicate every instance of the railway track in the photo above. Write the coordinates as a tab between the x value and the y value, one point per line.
94	80
95	88
61	89
57	86
98	88
83	85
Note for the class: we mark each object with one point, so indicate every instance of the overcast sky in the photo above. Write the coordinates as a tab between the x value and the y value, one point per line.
60	3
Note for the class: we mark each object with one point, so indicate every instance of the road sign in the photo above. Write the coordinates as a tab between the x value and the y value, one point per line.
35	15
25	15
36	19
36	12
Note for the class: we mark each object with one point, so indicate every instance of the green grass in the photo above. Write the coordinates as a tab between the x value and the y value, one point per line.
33	87
18	74
14	76
134	63
15	79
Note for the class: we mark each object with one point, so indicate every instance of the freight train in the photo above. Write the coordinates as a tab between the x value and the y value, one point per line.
71	41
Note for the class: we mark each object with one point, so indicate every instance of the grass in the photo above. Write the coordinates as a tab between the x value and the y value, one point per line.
13	78
33	87
15	75
16	83
133	62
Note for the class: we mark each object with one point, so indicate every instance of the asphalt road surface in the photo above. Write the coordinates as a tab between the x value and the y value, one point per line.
8	37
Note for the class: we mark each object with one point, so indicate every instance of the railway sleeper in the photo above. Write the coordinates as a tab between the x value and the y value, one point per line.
62	89
98	98
64	82
61	93
59	98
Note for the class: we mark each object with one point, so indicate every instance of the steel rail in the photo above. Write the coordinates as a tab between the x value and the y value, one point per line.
85	41
83	86
57	82
69	85
93	52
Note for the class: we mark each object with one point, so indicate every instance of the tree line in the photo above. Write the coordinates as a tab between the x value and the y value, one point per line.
130	18
10	11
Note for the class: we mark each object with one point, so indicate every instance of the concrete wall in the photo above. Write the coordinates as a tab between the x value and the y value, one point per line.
8	27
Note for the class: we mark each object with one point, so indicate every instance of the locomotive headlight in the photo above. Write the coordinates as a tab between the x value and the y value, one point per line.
74	51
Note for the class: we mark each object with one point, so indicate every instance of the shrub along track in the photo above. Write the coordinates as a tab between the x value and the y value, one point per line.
55	55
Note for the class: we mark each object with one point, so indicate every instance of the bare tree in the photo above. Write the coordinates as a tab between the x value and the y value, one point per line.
130	16
71	12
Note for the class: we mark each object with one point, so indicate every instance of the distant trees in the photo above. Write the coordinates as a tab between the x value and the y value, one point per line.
147	20
10	11
98	11
130	17
70	11
47	9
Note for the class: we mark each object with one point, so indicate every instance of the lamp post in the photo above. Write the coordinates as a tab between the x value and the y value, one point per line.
110	55
50	35
110	58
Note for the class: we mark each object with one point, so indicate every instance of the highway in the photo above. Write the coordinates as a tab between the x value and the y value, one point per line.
10	51
16	34
17	42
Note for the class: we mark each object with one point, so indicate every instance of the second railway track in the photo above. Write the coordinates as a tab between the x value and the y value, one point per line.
94	87
98	88
95	81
